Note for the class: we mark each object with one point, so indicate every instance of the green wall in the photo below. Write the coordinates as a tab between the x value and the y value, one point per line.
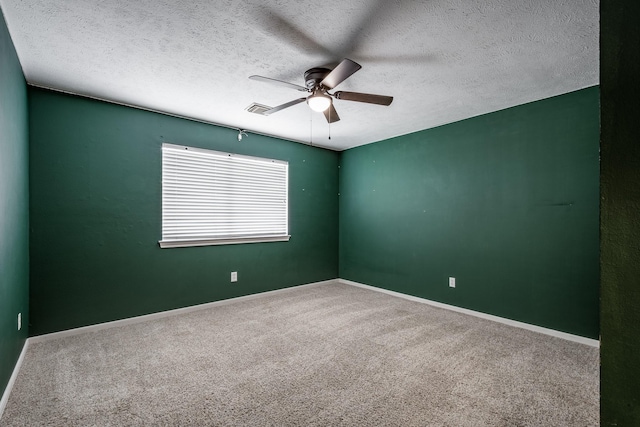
507	203
96	216
620	213
14	207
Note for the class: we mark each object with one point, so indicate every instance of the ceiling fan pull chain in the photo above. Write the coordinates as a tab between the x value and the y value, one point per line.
310	128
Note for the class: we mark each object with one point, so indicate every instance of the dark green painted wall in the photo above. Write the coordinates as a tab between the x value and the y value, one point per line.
14	207
96	216
506	202
620	213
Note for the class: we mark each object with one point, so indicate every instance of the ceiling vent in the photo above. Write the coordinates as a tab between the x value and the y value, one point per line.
258	108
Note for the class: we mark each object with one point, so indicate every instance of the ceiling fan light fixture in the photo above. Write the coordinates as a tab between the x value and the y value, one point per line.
319	102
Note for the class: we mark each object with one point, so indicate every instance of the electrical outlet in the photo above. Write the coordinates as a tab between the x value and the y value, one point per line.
234	276
452	282
19	321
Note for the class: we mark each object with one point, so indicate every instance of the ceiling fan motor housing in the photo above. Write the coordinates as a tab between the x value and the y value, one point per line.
314	76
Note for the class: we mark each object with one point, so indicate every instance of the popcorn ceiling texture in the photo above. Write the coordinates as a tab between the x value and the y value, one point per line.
443	61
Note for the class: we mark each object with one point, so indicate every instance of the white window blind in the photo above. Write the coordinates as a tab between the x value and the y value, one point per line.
210	198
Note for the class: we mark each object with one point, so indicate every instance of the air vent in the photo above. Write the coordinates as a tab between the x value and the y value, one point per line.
257	108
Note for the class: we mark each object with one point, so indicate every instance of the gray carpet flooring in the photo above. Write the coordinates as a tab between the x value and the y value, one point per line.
326	355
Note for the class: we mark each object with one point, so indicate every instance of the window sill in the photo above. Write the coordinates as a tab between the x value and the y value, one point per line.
230	241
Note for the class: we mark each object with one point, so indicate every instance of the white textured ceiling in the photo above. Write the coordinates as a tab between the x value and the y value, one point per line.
442	60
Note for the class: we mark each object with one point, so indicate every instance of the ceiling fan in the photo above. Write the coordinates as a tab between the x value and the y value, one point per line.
318	82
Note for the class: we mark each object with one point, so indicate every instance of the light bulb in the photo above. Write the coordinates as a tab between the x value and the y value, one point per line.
319	102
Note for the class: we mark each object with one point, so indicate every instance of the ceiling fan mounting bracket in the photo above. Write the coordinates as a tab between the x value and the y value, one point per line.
314	76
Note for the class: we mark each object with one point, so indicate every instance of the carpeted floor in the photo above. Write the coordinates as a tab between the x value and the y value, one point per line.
326	355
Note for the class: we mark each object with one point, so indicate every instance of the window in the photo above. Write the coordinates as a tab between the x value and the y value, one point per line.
213	198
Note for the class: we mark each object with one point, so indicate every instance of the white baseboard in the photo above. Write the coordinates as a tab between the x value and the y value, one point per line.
159	315
12	379
534	328
147	317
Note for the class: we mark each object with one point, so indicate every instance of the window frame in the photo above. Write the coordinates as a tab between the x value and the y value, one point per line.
227	239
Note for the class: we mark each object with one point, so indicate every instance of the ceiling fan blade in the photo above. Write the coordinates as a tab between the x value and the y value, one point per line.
331	114
339	74
364	97
374	15
273	22
283	106
279	83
